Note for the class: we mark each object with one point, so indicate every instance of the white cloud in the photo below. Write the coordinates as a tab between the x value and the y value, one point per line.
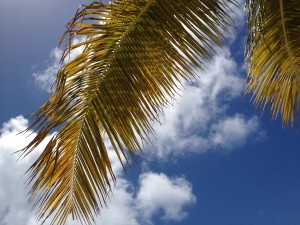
14	209
233	131
45	78
199	121
159	192
122	208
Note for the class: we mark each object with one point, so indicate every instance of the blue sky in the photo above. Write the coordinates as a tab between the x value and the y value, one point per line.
215	160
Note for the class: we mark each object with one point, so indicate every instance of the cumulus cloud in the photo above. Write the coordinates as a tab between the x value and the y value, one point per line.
14	209
122	208
128	202
159	192
233	131
199	120
45	78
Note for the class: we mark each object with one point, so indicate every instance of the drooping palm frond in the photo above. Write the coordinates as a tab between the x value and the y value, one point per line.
273	56
136	53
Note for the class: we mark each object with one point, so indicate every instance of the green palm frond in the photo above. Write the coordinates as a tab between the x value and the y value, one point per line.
273	56
136	54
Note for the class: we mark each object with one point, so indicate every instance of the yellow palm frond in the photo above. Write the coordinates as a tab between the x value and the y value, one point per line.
273	56
135	55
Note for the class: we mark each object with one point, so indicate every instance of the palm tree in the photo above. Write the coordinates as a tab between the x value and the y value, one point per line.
136	55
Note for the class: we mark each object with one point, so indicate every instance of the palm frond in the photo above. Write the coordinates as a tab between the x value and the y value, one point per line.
273	56
136	54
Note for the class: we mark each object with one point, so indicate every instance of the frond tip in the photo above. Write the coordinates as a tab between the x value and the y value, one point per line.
135	54
273	56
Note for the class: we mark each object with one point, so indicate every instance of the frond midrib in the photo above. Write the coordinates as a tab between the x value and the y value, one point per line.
128	30
89	103
290	53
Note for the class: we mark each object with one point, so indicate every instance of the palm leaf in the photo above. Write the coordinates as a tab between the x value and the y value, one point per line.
273	56
136	54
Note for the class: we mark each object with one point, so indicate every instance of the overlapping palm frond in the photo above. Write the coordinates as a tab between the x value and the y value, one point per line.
273	56
136	53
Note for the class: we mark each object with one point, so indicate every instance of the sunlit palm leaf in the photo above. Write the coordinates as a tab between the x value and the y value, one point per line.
273	56
136	54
